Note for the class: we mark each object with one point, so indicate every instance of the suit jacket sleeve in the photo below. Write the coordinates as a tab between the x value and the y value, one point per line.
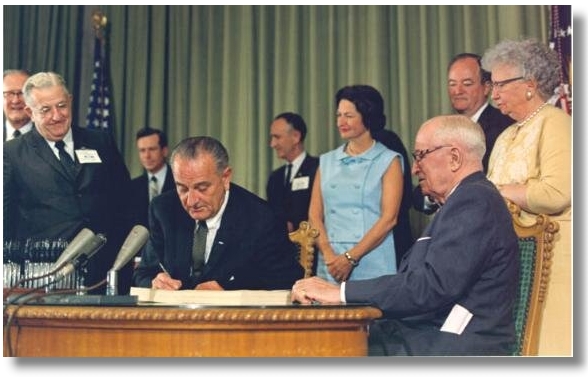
459	256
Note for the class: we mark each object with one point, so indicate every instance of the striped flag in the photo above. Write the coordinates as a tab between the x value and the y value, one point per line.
99	109
561	42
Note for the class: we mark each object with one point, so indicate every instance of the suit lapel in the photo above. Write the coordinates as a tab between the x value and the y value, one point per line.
43	150
224	234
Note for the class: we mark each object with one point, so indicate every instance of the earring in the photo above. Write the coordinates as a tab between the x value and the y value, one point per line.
528	95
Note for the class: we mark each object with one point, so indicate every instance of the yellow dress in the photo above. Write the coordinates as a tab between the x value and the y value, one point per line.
539	154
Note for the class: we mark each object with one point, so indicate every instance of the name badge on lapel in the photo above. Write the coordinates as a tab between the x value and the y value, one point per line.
300	183
88	156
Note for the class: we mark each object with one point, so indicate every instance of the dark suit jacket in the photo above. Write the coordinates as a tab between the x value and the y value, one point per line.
42	201
403	239
291	205
140	196
251	249
493	122
467	255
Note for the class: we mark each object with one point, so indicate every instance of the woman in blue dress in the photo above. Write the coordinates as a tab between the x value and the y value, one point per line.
356	193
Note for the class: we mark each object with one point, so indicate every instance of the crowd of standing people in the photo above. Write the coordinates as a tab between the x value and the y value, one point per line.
505	141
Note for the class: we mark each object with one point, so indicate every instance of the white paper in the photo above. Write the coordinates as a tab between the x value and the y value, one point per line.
457	320
300	183
88	156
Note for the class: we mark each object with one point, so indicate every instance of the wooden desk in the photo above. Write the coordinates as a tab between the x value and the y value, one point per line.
56	331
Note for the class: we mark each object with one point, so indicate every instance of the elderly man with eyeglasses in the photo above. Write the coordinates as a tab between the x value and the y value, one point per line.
455	289
16	119
59	179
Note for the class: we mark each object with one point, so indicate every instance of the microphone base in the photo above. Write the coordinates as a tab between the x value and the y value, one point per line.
84	300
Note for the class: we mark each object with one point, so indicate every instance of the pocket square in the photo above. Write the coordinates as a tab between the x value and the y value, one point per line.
423	238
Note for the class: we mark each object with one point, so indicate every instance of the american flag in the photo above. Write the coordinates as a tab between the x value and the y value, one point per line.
99	109
561	42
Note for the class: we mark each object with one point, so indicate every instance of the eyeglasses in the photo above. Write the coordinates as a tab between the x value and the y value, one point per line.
498	85
419	155
46	110
12	94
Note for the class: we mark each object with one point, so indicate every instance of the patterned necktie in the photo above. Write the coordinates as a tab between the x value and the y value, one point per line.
66	160
16	134
199	245
153	189
288	176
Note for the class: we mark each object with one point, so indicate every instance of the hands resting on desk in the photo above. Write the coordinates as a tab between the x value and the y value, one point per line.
166	282
315	290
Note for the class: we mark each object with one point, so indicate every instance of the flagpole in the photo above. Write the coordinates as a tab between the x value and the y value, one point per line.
99	22
99	109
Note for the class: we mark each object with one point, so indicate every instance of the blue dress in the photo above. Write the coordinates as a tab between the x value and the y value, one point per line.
352	191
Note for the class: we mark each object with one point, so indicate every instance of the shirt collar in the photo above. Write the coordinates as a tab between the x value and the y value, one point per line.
67	139
296	163
371	153
160	174
476	116
214	222
24	129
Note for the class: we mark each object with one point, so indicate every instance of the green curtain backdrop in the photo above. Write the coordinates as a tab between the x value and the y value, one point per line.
225	71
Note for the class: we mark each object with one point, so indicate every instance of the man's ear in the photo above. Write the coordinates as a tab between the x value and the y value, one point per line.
456	159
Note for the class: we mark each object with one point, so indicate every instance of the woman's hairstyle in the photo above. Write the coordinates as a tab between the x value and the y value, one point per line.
533	59
368	102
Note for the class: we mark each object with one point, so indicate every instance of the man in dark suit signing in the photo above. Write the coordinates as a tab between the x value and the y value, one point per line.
59	179
211	233
455	290
288	187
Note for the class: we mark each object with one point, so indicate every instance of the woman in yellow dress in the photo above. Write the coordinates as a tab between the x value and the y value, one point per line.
531	164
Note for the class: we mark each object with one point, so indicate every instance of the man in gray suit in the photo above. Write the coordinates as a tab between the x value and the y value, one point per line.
59	179
455	290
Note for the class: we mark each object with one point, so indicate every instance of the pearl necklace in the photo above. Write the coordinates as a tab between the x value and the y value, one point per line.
352	152
527	119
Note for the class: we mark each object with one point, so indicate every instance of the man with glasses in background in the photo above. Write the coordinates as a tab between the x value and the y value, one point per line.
469	86
455	289
16	120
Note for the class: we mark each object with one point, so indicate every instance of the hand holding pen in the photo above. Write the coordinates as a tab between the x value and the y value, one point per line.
163	280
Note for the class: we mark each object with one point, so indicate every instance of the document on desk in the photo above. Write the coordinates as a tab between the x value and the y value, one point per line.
202	297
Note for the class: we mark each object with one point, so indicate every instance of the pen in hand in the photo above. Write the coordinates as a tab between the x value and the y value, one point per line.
163	269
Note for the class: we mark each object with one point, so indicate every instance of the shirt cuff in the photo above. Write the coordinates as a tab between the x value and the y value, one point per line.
342	293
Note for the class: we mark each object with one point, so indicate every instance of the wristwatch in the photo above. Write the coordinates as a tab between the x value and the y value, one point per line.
351	261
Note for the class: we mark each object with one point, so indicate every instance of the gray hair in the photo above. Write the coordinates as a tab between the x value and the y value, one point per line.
459	129
42	80
8	72
194	147
533	59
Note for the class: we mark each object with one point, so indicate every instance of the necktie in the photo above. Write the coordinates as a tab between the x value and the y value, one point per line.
153	189
16	134
65	158
199	245
288	176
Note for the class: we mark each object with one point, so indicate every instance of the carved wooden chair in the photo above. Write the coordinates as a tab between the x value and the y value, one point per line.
535	246
304	237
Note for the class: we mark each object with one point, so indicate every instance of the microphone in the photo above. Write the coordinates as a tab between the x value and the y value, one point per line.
86	251
73	249
82	250
133	243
